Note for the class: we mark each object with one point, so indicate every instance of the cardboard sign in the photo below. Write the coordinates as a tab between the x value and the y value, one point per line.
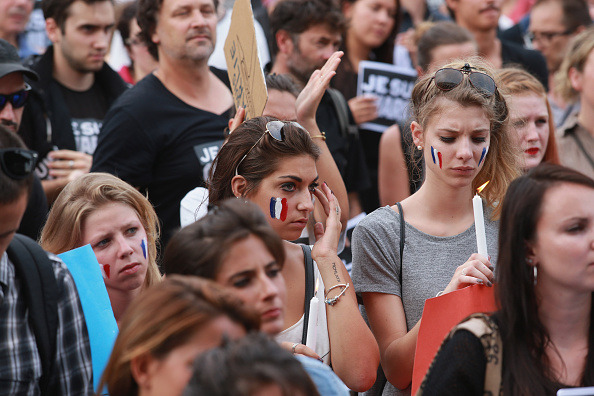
392	86
440	315
241	53
101	324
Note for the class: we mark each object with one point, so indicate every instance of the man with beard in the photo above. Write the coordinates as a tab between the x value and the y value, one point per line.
162	135
481	17
306	33
74	92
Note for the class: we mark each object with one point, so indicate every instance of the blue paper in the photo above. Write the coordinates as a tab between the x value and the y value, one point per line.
101	323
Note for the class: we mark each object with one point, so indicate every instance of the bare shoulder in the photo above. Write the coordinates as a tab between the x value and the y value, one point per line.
391	135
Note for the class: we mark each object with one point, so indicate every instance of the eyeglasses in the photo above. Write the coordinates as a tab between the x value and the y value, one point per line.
17	163
17	99
546	37
447	79
275	130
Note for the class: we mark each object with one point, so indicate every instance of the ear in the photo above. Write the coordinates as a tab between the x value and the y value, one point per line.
155	36
239	186
417	134
53	30
452	4
347	10
530	255
575	78
284	41
140	368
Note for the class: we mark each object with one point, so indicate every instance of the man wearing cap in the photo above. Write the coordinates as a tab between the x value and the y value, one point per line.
14	93
75	89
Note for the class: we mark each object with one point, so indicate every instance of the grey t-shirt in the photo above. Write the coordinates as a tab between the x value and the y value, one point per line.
428	263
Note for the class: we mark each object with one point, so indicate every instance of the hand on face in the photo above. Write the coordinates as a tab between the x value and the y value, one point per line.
327	239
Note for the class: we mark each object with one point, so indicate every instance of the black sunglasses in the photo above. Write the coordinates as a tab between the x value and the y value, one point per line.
447	79
17	99
17	163
274	129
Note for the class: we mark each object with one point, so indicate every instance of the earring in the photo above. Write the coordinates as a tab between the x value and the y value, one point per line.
419	147
535	272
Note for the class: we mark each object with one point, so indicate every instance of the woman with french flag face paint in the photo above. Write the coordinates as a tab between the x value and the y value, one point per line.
460	126
119	224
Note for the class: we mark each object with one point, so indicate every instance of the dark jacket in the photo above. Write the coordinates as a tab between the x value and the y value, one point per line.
46	117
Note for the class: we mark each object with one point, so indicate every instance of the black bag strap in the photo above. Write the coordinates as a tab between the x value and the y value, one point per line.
309	289
342	112
34	269
399	205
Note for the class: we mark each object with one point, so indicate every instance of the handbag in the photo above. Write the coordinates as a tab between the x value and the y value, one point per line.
485	329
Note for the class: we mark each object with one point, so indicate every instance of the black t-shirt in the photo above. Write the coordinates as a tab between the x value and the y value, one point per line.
160	144
87	110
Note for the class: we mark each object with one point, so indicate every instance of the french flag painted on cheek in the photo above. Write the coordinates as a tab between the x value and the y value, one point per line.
143	247
278	208
436	155
105	269
483	155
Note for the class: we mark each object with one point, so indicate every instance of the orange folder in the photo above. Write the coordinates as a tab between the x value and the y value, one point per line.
440	315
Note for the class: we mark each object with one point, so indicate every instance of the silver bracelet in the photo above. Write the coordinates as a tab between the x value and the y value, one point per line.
439	294
333	300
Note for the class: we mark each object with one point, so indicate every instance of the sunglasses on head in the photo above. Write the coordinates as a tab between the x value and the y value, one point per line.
447	79
16	99
17	163
275	130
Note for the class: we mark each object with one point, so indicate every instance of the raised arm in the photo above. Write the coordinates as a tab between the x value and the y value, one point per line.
306	108
354	352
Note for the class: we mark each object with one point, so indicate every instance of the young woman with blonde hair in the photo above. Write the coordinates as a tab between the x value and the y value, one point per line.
118	222
426	244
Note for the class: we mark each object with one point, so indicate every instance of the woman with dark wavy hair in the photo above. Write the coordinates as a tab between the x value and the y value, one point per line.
545	289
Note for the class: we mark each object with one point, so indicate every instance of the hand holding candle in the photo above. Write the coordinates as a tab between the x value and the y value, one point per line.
479	223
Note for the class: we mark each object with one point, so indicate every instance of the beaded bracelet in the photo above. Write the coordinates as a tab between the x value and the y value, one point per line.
322	135
334	300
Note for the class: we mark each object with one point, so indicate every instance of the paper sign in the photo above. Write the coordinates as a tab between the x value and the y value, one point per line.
392	86
440	315
241	53
101	323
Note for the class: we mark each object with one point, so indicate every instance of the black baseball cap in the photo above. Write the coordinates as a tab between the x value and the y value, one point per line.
10	61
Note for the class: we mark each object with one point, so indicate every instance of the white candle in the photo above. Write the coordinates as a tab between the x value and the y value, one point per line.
479	223
312	324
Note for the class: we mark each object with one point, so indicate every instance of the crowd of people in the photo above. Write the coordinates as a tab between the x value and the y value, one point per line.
292	253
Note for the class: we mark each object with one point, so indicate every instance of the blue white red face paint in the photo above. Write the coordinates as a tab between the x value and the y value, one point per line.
143	247
436	156
105	270
278	208
483	155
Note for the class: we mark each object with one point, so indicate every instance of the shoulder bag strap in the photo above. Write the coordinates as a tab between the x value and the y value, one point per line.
399	205
34	270
309	289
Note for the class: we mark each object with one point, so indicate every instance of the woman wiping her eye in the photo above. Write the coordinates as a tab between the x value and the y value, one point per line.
121	226
460	126
273	164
